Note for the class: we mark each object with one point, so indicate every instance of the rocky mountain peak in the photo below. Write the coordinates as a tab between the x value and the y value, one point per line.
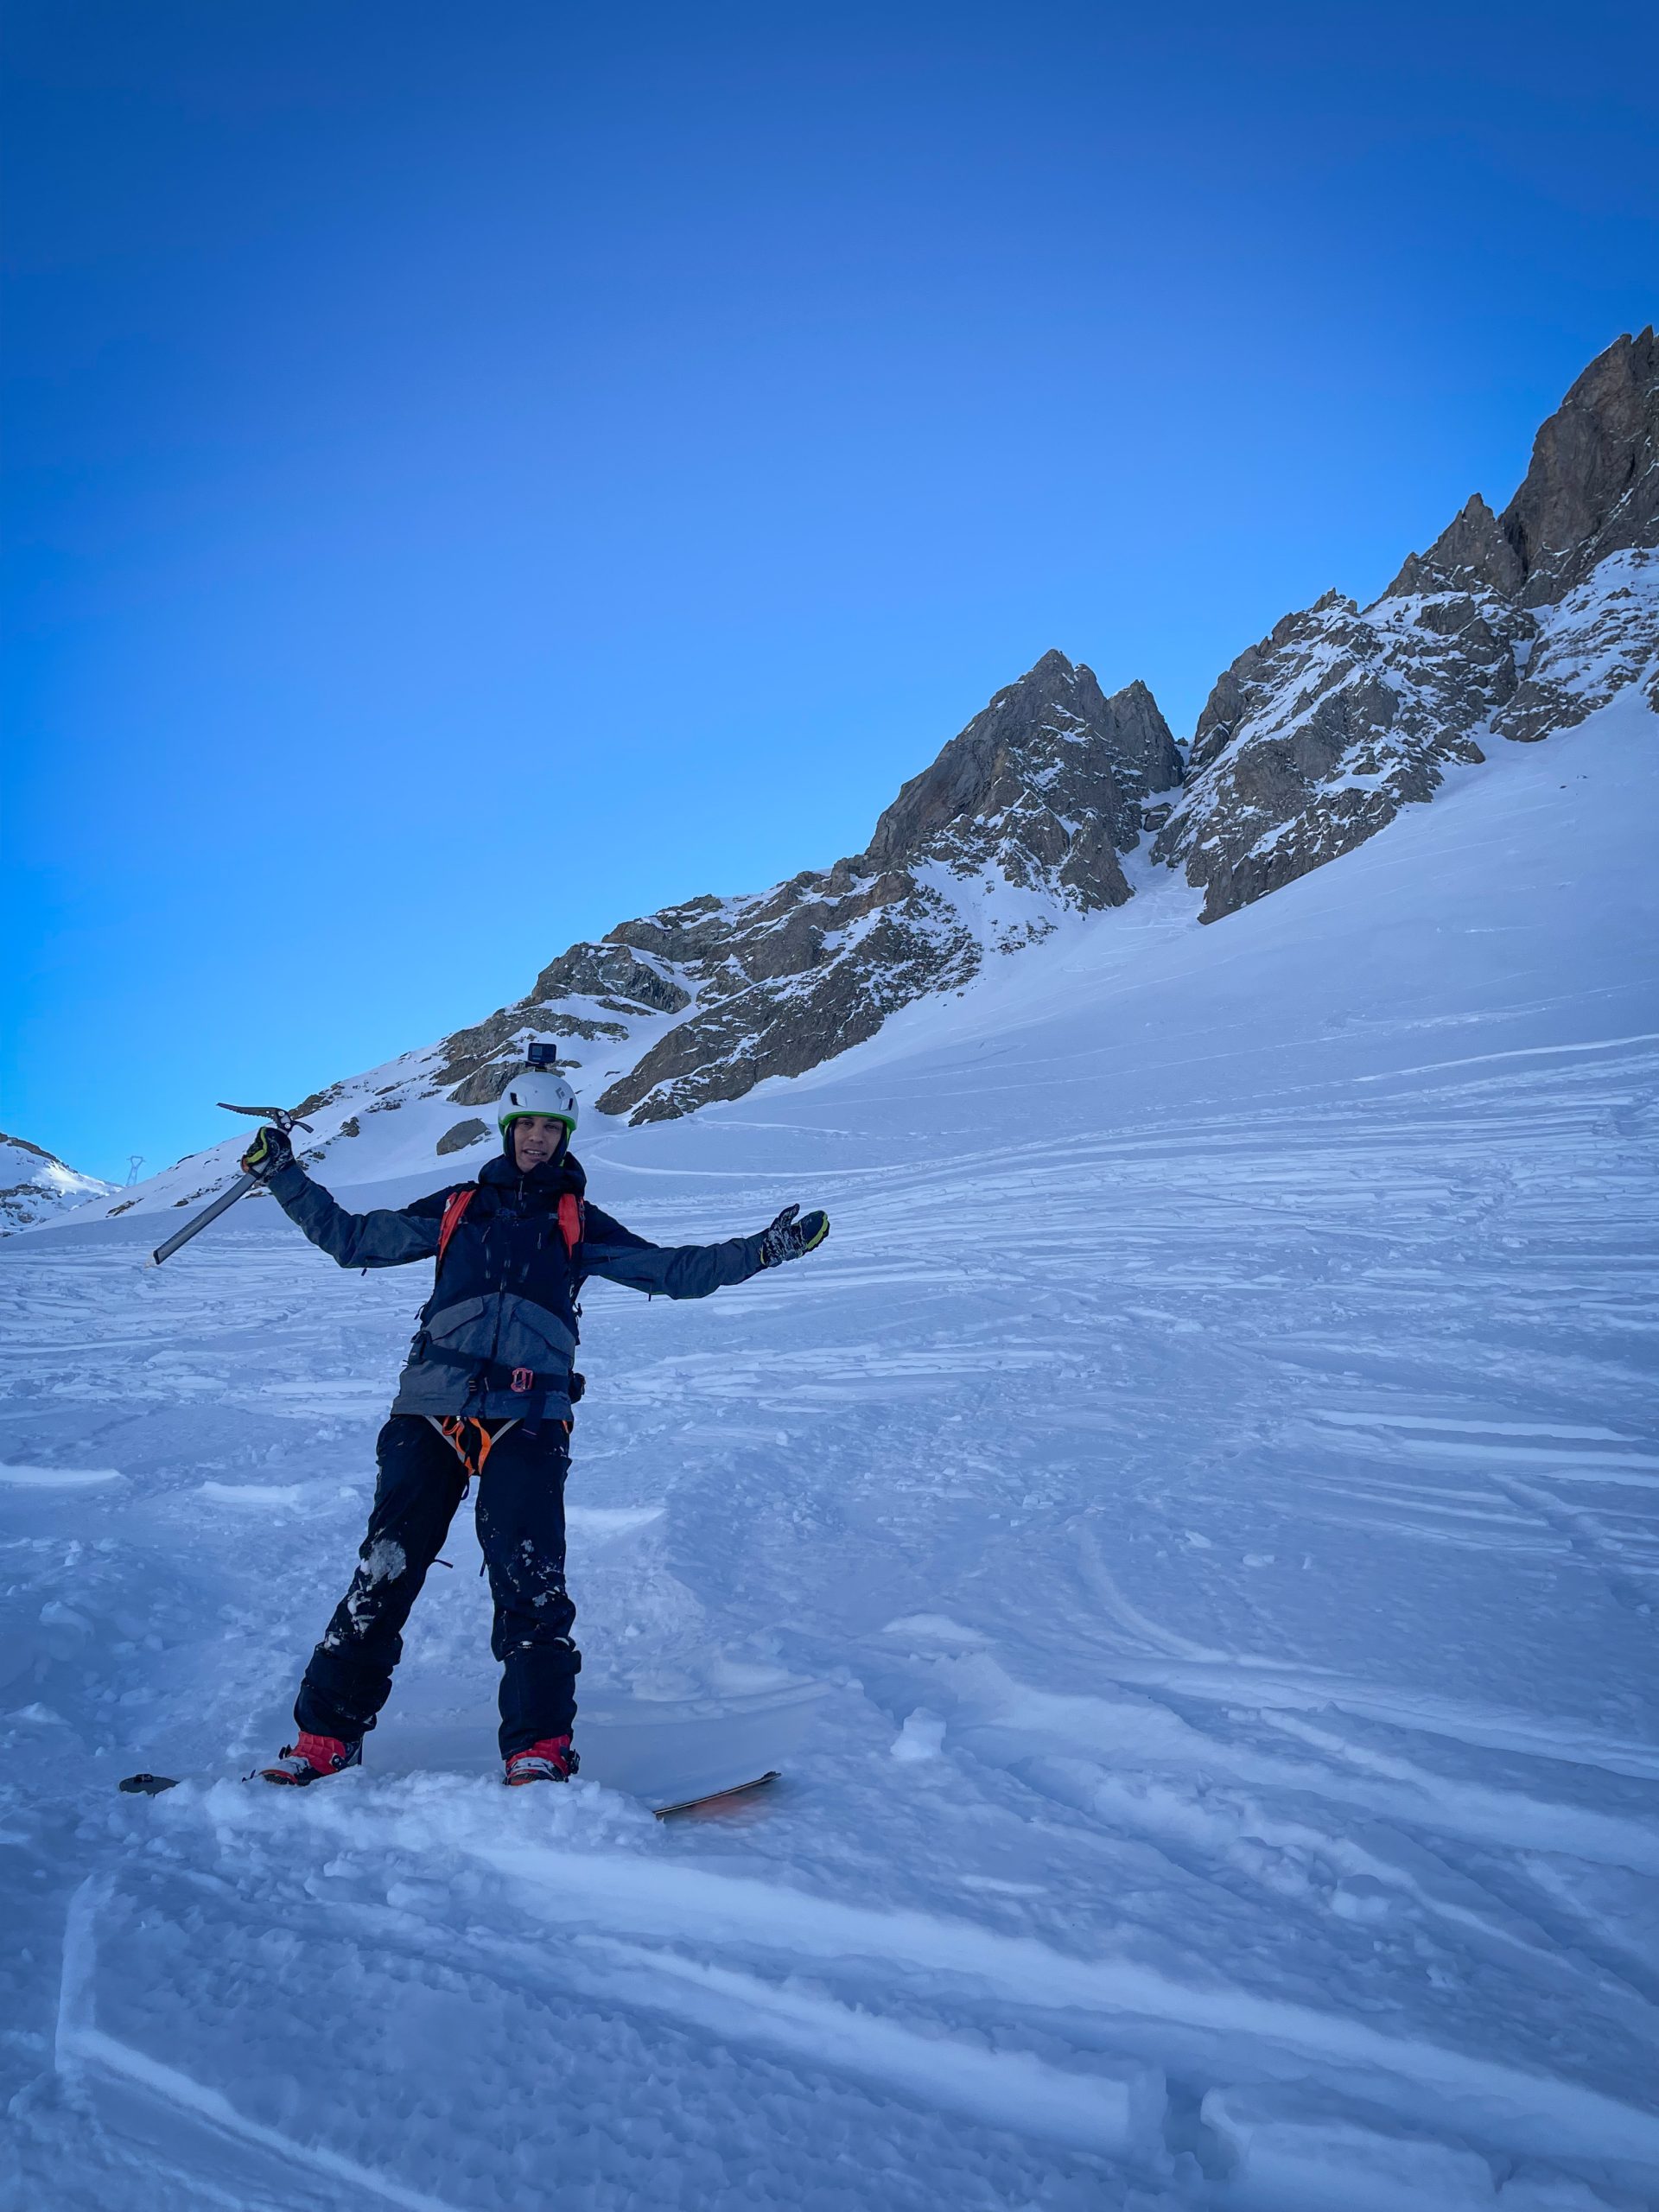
1593	487
1022	758
1471	553
1509	627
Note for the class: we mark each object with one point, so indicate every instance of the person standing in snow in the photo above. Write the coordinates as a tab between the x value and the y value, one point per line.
488	1391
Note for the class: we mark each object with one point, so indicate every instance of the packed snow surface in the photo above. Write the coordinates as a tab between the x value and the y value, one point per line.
1189	1540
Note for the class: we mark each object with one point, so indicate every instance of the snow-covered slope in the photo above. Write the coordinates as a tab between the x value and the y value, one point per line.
1188	1538
35	1185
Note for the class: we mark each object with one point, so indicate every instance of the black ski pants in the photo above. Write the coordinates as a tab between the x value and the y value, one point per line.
521	1529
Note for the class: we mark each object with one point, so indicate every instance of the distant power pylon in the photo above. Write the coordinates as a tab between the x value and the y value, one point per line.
135	1162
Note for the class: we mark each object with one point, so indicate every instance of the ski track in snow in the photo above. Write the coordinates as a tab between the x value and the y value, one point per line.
1193	1550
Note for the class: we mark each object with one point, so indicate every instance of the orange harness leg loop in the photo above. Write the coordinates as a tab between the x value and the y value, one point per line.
473	1439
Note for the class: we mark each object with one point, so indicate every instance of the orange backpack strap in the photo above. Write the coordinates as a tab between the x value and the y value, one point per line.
571	1221
458	1203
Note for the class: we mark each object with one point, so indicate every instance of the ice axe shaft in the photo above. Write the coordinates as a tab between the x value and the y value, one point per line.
280	1118
239	1189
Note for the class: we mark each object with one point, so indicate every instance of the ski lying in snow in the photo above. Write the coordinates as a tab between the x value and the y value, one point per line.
151	1785
715	1797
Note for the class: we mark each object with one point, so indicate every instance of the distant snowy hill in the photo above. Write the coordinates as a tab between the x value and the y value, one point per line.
1059	800
36	1187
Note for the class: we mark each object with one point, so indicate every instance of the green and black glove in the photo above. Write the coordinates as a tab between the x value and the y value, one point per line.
788	1238
268	1153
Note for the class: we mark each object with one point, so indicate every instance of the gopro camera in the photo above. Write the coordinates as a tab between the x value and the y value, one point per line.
541	1055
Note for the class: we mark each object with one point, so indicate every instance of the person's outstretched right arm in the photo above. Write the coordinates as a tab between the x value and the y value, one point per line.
388	1237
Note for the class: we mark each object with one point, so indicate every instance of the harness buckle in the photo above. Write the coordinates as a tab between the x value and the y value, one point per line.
524	1378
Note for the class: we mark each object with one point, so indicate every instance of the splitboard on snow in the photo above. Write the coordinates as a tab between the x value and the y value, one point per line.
716	1796
151	1785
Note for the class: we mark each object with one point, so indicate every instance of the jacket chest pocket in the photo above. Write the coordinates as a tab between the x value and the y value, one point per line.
452	1326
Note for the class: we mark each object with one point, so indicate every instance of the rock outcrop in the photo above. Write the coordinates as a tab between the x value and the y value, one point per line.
1509	627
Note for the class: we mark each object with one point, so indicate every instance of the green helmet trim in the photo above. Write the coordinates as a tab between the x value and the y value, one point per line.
536	1091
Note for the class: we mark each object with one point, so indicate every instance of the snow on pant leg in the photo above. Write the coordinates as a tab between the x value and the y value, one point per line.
521	1529
421	1482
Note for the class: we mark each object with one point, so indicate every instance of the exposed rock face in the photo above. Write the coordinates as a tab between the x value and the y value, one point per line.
461	1136
35	1185
1593	486
1020	819
1602	636
1509	627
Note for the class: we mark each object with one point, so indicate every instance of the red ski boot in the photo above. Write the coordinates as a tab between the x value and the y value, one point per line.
552	1760
313	1759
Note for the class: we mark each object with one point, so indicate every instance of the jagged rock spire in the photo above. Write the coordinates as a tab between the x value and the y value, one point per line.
1471	553
1591	489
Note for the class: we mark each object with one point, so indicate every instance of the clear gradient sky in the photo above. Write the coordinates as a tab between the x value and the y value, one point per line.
475	474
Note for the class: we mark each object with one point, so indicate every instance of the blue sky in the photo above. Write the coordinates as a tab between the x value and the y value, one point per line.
474	475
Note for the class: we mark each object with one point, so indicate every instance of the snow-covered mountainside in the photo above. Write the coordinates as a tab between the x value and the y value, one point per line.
1188	1539
1047	805
35	1185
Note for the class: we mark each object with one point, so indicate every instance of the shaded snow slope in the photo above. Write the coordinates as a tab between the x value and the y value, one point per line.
35	1185
1189	1538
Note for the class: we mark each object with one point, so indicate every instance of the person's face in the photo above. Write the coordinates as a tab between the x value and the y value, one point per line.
535	1139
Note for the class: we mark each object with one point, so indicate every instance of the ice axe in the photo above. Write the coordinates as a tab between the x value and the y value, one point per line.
280	1118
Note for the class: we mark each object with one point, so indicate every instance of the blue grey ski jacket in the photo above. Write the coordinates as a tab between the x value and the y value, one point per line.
499	1333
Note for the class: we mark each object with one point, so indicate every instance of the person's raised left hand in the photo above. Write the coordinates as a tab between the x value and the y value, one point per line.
787	1238
268	1153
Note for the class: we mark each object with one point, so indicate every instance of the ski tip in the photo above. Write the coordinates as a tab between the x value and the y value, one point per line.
712	1798
148	1785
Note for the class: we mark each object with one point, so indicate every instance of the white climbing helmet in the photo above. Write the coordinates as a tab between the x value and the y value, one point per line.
538	1090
